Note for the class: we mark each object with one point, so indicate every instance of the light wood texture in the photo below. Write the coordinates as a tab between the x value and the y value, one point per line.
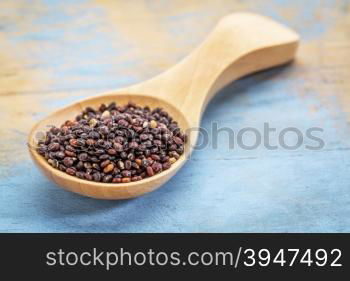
240	44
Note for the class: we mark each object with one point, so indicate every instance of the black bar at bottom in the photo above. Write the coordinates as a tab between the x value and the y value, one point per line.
126	254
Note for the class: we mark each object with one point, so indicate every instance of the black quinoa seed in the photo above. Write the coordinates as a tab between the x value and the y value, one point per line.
114	144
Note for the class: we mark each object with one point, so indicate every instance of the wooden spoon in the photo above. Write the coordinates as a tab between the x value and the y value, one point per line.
240	44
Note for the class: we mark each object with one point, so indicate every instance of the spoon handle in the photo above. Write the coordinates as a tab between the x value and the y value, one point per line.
240	44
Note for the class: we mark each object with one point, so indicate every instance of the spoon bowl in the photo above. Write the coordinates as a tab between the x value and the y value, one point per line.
105	190
240	44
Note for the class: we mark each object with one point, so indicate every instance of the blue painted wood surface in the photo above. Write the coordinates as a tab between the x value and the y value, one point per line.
56	52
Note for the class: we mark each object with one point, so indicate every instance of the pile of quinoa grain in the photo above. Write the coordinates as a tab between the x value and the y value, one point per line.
114	144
